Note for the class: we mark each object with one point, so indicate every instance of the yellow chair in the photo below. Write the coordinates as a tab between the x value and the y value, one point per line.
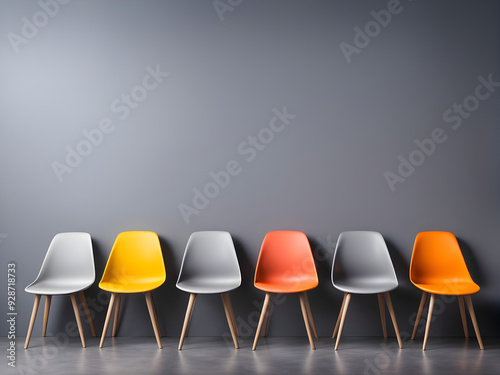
438	267
135	265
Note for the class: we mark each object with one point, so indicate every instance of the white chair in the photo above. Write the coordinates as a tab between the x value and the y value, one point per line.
210	266
362	265
68	268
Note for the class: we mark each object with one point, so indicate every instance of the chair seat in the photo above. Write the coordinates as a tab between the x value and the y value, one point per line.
366	286
131	286
208	286
449	287
58	287
290	286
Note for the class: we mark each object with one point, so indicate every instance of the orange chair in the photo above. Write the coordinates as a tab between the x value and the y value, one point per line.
438	267
135	265
286	265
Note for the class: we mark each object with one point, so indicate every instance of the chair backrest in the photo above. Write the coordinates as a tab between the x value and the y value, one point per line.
69	257
135	255
210	255
437	257
285	256
362	255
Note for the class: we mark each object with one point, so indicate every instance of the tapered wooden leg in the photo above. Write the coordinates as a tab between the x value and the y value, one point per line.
429	318
117	311
156	315
48	298
462	315
87	312
233	317
310	315
32	320
393	318
261	319
229	318
342	319
268	314
77	316
381	307
149	302
419	314
108	318
468	301
303	307
340	315
187	318
191	313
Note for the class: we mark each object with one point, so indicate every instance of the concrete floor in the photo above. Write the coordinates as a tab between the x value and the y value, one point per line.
274	355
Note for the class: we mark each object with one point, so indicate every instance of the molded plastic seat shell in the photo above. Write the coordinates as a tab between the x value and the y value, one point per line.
286	263
362	264
209	265
135	264
438	266
68	266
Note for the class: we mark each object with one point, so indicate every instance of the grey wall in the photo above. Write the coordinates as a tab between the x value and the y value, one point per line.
323	170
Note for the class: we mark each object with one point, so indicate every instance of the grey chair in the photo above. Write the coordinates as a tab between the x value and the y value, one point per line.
362	265
210	266
68	269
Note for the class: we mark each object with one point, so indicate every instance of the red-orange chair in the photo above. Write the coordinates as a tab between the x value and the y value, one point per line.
286	265
438	267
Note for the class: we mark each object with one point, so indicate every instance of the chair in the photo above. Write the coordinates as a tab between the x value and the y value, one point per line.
286	265
438	267
68	268
210	266
362	265
135	265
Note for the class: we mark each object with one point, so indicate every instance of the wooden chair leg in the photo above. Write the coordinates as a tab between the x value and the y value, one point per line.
393	318
48	298
303	307
187	318
468	301
149	302
381	307
268	315
342	319
32	320
335	330
233	317
87	312
263	313
156	315
429	318
191	314
117	311
77	316
108	318
310	315
462	315
229	318
419	314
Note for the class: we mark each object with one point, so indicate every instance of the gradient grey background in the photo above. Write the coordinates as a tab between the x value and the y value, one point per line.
323	174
